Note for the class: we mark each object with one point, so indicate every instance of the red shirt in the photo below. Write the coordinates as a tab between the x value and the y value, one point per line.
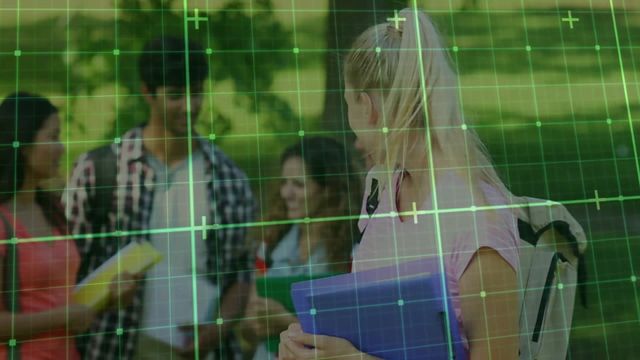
47	275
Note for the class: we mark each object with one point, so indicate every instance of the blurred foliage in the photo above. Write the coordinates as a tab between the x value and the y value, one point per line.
225	30
236	57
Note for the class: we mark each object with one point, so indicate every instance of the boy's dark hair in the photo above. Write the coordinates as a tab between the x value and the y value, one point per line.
163	63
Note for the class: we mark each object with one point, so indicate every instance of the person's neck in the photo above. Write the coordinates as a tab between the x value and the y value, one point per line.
26	196
416	177
307	237
163	145
416	163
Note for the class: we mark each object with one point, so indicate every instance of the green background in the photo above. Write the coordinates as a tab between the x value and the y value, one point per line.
581	86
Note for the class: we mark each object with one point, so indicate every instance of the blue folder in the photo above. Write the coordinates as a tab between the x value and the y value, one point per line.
396	312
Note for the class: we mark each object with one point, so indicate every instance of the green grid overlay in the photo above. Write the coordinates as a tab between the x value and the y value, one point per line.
619	192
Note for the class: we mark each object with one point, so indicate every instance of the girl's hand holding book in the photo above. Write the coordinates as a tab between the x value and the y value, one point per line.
79	317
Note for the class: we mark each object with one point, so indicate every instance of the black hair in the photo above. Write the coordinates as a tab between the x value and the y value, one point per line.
22	115
324	158
163	63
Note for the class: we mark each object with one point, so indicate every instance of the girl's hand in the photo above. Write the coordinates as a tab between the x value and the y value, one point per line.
293	342
122	289
267	317
208	339
79	318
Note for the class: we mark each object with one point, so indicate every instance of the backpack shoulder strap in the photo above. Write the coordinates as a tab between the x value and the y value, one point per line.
105	165
541	213
541	218
105	168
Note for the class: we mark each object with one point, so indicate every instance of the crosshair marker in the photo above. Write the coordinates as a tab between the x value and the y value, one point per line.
196	19
396	19
570	20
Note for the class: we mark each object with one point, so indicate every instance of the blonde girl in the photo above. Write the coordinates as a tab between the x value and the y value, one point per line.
438	193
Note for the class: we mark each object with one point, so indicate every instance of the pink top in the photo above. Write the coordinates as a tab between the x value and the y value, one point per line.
47	274
388	240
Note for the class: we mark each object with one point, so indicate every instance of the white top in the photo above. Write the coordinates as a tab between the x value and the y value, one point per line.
285	261
169	286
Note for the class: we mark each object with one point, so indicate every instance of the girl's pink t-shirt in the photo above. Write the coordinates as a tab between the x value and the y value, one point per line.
47	275
388	240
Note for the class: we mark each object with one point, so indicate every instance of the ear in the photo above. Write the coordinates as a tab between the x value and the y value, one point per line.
368	101
146	93
25	152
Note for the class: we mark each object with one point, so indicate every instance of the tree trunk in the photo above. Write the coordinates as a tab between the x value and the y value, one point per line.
347	19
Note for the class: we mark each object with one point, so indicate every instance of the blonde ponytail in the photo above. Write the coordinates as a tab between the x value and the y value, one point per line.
410	66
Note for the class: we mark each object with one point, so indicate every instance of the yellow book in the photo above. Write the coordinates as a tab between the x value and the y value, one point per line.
135	258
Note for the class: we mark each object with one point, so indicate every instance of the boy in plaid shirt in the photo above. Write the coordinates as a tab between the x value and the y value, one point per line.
165	180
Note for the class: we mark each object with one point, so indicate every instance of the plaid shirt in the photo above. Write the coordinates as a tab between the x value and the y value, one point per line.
229	258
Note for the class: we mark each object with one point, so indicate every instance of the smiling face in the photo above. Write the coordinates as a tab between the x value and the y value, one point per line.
170	103
299	203
44	154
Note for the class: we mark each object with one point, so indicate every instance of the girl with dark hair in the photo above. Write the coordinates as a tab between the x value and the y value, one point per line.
318	182
38	273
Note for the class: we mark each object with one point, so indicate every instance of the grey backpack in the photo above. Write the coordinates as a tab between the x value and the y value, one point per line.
551	272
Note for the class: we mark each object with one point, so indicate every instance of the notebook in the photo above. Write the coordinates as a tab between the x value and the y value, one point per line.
396	312
135	258
278	288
